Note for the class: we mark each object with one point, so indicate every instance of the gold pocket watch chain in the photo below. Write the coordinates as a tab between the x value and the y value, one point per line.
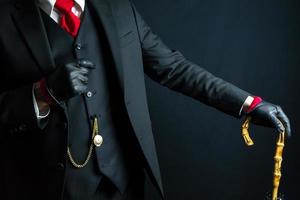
97	141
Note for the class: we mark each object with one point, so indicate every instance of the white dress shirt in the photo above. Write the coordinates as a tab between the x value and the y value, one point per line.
48	7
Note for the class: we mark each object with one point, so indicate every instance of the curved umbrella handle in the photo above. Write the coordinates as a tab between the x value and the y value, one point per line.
277	158
245	132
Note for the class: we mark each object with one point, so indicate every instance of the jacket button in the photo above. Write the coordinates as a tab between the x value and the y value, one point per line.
22	128
60	166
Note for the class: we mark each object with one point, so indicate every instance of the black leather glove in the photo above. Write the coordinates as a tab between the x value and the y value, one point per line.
269	115
69	80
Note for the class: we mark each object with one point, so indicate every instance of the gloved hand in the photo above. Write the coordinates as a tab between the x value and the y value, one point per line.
69	80
269	115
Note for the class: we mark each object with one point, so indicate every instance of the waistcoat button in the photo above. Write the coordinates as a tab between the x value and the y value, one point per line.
89	94
78	46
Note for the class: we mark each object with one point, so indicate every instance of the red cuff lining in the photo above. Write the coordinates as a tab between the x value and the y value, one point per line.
44	92
257	100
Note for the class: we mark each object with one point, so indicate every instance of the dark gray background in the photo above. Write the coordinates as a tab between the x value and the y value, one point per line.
253	44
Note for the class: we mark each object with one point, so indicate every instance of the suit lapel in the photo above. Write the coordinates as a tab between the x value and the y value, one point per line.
103	10
28	21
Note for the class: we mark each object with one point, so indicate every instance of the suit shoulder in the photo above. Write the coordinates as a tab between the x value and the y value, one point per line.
121	7
120	4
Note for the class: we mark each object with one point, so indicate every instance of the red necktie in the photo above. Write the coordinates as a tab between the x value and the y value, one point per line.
68	21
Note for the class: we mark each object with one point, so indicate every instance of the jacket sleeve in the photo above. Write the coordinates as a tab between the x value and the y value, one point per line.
171	69
17	114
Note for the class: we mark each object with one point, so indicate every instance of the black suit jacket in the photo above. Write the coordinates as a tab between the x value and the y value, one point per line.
26	58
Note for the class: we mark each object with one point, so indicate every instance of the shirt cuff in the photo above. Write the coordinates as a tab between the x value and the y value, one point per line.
246	104
39	116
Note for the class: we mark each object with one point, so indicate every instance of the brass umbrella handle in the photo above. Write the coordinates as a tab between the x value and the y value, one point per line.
277	157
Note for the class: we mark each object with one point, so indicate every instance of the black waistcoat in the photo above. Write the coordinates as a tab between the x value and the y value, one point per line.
117	157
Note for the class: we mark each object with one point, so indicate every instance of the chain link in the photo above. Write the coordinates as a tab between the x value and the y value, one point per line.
71	158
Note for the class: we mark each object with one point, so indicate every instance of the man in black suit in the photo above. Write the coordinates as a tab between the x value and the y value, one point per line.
74	120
